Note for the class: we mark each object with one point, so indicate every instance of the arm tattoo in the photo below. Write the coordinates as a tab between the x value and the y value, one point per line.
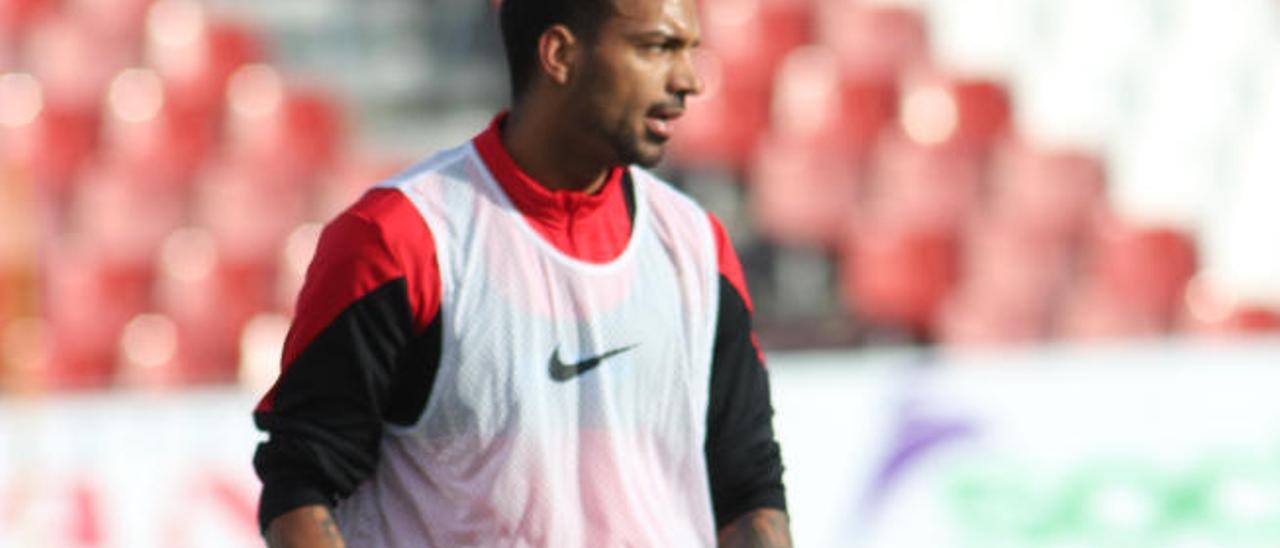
765	528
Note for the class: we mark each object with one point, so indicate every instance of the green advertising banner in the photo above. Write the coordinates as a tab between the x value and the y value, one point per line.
1167	445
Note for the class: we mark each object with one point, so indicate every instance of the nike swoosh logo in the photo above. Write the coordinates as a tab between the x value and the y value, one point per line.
561	372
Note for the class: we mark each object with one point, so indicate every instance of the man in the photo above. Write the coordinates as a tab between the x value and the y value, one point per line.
523	341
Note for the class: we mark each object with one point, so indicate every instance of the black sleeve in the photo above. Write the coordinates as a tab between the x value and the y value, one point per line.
325	420
743	459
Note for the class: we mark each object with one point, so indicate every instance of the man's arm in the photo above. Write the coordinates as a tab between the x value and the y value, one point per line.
306	527
744	463
765	528
361	353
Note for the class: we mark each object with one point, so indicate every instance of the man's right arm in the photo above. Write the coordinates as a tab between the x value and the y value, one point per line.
361	353
305	527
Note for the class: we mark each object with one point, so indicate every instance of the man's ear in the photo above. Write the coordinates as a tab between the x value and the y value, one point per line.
558	53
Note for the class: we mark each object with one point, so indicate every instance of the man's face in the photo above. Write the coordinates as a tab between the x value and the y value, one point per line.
636	76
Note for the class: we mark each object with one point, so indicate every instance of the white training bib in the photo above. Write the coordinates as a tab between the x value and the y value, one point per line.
570	404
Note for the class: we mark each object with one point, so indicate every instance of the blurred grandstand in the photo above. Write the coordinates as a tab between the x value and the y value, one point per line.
959	173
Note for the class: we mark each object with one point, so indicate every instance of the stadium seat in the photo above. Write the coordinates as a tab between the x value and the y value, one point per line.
814	101
805	194
290	135
40	141
969	319
720	126
932	186
1092	314
8	56
150	353
123	217
1010	278
752	36
1140	266
196	54
872	40
72	62
148	134
1214	312
1019	268
896	274
16	18
118	22
248	213
86	304
948	110
1052	192
208	300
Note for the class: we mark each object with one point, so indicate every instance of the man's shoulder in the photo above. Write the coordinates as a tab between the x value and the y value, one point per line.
446	163
663	192
388	202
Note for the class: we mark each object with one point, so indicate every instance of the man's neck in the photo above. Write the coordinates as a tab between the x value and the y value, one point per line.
550	153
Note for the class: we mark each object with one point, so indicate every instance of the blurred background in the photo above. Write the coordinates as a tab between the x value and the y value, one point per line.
924	193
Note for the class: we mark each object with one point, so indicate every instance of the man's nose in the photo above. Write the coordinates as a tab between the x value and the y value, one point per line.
684	79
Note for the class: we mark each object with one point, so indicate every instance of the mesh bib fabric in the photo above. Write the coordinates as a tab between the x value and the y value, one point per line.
569	408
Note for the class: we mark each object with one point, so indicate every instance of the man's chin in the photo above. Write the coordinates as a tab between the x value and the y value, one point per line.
650	151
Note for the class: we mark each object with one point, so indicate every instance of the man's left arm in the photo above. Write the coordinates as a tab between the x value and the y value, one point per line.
744	461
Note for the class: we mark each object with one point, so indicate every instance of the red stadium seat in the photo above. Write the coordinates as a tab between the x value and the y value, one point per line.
721	126
249	214
124	218
802	194
1014	267
751	37
932	186
86	304
969	319
72	62
148	134
939	109
1143	267
16	18
814	101
1217	313
196	54
1051	192
291	135
8	56
118	22
151	353
872	41
208	299
1010	279
1092	314
39	141
896	274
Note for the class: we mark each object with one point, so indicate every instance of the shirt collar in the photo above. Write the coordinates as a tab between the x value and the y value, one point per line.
528	195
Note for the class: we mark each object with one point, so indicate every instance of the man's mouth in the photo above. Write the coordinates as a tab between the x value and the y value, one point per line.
660	121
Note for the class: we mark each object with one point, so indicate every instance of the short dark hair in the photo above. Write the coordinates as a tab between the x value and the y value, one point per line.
524	21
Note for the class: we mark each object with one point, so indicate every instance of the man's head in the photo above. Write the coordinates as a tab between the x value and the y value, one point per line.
617	71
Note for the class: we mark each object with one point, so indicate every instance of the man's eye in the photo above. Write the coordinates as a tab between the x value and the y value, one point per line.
661	47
